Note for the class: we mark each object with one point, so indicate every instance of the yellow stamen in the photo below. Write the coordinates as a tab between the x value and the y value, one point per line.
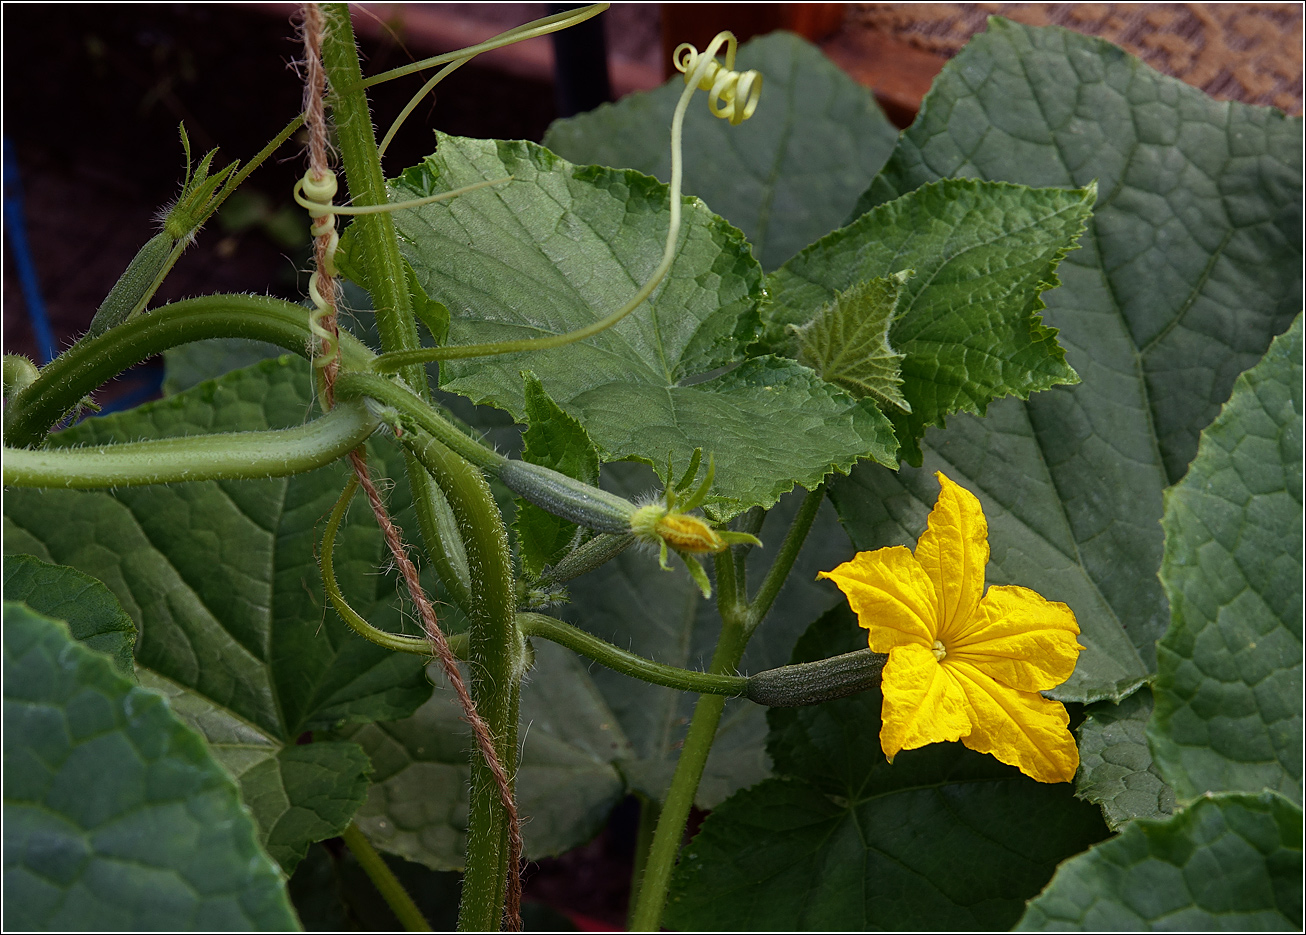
939	650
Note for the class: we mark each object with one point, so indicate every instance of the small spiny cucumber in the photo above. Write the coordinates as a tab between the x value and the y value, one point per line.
567	497
133	285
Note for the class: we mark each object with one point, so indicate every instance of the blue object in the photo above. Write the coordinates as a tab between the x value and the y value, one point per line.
16	237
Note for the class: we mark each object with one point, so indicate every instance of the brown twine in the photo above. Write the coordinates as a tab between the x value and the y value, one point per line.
318	143
480	729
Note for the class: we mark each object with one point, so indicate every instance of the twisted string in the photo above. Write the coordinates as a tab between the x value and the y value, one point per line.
732	95
316	191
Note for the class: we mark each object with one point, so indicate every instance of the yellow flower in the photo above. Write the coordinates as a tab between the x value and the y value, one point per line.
964	665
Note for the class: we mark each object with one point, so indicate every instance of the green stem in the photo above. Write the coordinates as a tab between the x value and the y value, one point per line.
395	641
231	456
417	412
396	897
738	622
89	364
379	247
496	654
496	659
627	663
647	916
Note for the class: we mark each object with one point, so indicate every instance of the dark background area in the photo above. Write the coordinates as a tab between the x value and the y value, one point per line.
92	98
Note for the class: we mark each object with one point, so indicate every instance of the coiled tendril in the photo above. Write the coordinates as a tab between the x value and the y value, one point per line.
315	195
733	95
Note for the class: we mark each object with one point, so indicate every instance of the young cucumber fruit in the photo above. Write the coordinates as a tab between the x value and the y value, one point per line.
567	497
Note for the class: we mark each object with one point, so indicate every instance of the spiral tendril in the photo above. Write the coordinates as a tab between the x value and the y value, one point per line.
732	95
316	194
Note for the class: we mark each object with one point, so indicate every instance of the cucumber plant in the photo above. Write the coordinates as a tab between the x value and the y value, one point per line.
1041	290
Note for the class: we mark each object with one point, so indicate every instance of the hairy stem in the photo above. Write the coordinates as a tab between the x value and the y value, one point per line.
379	247
89	364
396	897
627	663
230	456
497	659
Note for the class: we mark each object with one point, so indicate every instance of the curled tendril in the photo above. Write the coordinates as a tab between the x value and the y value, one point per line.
315	195
733	95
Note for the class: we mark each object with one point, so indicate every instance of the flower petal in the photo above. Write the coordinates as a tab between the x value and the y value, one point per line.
953	551
923	702
1023	729
891	595
1020	639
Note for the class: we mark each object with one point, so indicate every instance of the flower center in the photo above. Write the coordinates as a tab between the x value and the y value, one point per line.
939	650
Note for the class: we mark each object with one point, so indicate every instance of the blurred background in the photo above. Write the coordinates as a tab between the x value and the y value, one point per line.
93	95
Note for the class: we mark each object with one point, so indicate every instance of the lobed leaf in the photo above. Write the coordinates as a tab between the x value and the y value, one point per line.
1228	862
1191	264
967	323
221	578
115	815
847	342
560	247
1229	674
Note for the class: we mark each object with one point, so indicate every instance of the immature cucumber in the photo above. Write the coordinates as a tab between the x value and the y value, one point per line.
133	285
810	683
567	497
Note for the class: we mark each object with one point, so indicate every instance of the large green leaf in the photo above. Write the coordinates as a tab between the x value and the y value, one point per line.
1115	765
1228	862
944	838
221	578
785	177
92	613
1190	266
967	324
115	815
561	246
1229	675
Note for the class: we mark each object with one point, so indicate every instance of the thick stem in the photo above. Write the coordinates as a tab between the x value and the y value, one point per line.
396	897
496	660
496	656
89	364
230	456
378	245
